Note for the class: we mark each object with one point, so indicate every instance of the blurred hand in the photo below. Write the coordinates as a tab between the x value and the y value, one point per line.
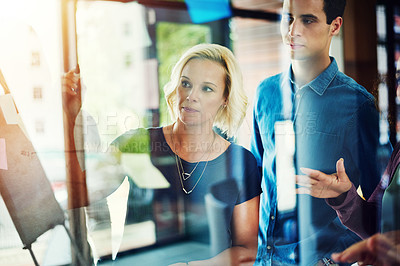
379	249
71	92
320	185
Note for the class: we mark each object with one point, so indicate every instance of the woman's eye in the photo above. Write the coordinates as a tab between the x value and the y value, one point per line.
207	89
185	84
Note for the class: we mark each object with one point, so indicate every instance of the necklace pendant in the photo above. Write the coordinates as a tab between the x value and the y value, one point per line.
187	192
185	176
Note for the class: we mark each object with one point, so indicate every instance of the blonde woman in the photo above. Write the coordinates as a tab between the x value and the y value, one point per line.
205	92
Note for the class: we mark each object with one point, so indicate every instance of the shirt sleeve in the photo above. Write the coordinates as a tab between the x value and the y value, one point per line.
362	144
256	146
251	185
358	215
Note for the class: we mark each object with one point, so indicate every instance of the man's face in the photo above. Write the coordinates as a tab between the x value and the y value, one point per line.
304	29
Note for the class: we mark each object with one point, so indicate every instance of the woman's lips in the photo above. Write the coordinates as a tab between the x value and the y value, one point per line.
189	110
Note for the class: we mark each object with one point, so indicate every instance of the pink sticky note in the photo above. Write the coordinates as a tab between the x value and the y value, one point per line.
3	154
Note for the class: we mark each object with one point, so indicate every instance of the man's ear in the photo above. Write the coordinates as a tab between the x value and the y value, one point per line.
336	25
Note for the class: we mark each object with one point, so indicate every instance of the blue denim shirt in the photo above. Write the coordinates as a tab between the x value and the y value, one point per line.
333	117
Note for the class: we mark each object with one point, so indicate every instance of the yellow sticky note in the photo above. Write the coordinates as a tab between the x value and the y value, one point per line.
3	154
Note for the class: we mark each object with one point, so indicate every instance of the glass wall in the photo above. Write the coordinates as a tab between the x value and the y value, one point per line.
125	53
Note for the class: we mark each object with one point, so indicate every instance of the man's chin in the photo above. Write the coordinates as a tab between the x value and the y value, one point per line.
296	56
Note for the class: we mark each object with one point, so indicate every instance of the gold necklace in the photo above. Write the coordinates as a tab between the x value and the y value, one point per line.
182	175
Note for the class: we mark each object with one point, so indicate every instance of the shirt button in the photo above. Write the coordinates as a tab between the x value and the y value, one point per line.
268	247
272	217
297	96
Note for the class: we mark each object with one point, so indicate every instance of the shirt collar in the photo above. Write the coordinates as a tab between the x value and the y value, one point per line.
320	83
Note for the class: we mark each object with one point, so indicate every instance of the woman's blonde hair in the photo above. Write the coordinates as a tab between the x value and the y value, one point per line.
228	119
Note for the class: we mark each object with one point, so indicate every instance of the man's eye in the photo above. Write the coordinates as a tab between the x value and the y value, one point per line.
307	21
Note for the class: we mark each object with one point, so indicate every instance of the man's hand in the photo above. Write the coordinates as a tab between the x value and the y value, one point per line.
379	249
320	185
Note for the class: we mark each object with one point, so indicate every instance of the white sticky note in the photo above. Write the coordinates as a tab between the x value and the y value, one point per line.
285	170
117	204
142	171
8	108
3	154
10	113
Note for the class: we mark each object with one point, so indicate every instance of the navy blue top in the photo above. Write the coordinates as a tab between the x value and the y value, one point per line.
333	117
232	178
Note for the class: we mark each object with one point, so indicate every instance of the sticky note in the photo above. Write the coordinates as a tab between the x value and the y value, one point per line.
8	108
10	113
117	204
285	170
208	10
3	154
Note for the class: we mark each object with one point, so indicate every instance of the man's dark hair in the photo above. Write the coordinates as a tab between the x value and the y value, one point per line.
333	9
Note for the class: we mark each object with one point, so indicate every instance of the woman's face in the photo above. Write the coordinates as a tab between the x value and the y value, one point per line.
200	92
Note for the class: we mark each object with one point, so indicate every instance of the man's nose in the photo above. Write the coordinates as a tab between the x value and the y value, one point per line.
295	28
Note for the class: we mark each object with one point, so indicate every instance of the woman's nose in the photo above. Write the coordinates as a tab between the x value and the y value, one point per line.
193	95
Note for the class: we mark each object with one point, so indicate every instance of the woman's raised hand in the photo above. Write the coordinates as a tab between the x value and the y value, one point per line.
321	185
71	90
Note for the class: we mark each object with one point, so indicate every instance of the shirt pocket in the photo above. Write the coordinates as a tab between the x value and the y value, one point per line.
319	151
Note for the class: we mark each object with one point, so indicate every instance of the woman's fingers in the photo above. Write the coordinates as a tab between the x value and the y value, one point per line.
71	82
311	172
323	185
341	173
305	181
303	190
318	185
385	248
316	175
71	89
337	256
356	252
376	250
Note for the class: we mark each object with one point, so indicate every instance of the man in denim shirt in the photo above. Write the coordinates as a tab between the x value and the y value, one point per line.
333	117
